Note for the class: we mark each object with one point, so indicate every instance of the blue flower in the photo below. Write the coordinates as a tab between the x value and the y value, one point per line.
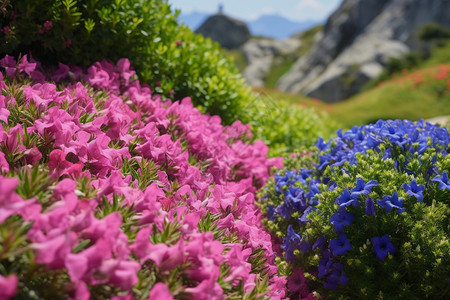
290	243
363	188
382	246
370	207
271	212
341	245
340	220
414	190
390	202
336	278
443	181
345	199
296	198
320	243
304	217
325	264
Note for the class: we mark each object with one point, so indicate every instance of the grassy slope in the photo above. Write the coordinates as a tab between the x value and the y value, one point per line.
424	93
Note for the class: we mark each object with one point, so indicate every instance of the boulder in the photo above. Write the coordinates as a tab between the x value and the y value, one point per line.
228	32
260	55
358	40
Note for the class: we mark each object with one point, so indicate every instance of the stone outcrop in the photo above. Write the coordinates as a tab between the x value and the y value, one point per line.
260	54
358	40
228	32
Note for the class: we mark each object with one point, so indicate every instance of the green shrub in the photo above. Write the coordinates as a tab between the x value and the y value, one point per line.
169	57
284	126
366	214
433	31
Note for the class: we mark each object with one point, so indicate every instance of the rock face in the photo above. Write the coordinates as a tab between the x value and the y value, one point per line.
260	54
228	32
358	40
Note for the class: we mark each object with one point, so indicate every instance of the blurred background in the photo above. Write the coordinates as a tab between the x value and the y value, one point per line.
354	60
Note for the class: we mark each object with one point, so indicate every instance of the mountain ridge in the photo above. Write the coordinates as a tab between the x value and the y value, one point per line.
268	25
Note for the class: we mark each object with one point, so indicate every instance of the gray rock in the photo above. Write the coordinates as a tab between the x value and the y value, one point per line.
228	32
358	40
260	55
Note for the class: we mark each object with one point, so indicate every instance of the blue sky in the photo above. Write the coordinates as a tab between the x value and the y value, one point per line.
296	10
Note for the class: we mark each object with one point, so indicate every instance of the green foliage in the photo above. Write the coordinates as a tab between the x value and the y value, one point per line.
433	31
169	57
284	127
420	265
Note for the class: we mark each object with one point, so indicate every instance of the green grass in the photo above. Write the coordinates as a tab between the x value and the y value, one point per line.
237	56
399	98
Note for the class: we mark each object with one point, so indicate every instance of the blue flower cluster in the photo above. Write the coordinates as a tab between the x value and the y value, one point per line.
300	190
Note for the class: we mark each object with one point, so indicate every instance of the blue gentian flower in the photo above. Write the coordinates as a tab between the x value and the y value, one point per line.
325	264
340	220
295	196
382	246
271	212
414	190
345	199
320	243
390	202
370	207
363	188
443	181
336	278
304	217
341	245
290	243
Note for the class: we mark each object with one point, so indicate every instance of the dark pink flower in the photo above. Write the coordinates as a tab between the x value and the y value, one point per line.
47	25
6	30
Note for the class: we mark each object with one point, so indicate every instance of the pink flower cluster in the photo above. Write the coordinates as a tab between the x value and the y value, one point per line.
202	169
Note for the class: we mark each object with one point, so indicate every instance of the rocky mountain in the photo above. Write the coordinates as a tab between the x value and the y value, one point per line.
270	26
228	32
358	40
260	55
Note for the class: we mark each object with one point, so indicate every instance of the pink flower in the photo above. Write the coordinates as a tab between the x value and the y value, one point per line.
4	112
68	42
61	73
160	291
165	257
122	274
206	290
6	30
81	291
8	286
9	64
4	165
25	66
47	25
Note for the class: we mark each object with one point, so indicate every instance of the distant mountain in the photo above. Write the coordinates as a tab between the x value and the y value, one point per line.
272	26
194	19
278	27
